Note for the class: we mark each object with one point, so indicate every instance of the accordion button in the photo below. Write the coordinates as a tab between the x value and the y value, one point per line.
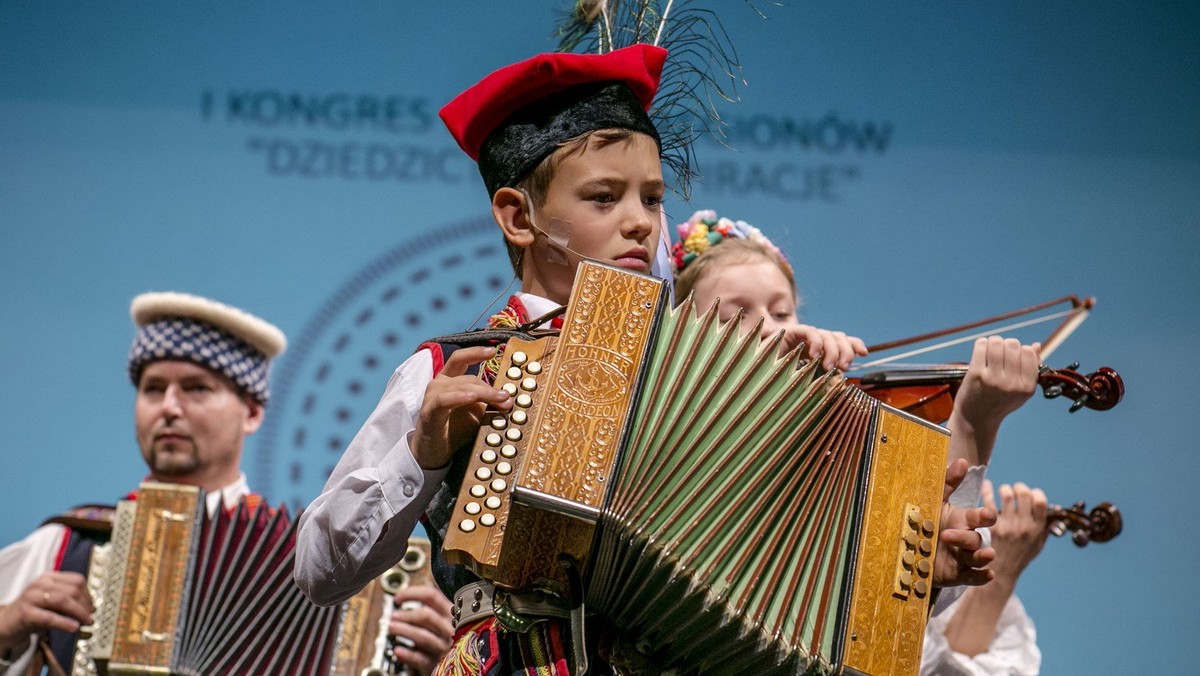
483	474
493	439
473	508
909	559
466	525
488	456
926	547
911	540
503	468
493	502
512	434
511	388
921	588
487	520
523	400
508	451
478	491
914	517
927	526
519	358
534	368
513	373
519	417
529	384
906	579
499	485
923	567
499	422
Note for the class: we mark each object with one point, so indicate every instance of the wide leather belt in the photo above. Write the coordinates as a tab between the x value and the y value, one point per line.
517	612
472	602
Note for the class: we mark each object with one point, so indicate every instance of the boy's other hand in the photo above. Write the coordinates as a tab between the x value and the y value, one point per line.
453	408
961	556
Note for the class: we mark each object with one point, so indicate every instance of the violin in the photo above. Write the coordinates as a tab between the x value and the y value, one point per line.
929	392
1101	524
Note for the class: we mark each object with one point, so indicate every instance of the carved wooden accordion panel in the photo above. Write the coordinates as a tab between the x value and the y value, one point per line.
180	592
732	512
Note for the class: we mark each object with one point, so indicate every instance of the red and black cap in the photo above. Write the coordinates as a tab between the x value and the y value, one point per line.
517	116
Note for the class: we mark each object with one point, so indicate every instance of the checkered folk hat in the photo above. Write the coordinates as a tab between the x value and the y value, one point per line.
224	339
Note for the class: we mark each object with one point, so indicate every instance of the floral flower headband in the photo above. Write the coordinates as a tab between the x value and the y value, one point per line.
704	230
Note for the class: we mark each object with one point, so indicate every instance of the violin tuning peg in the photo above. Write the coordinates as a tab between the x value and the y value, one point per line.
1053	391
1079	403
1074	366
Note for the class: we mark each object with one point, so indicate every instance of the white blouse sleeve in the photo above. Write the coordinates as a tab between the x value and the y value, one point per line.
1013	651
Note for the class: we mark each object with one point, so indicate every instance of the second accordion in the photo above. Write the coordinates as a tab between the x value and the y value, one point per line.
729	510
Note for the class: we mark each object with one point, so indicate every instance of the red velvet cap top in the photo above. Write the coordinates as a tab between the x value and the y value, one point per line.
473	115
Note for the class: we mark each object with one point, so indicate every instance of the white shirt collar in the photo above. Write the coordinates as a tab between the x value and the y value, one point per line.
536	306
229	496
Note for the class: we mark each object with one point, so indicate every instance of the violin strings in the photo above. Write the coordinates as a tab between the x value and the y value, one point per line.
964	339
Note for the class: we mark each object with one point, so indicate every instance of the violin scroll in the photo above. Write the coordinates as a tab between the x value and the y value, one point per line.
1099	390
1102	524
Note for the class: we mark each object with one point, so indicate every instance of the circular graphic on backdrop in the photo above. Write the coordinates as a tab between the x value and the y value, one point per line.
334	372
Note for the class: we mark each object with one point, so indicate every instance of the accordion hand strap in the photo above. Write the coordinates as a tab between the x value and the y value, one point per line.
43	656
578	644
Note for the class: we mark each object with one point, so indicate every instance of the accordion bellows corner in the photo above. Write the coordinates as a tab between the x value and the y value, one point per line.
731	512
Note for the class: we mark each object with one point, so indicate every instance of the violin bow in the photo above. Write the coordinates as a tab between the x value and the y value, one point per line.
1071	319
1100	390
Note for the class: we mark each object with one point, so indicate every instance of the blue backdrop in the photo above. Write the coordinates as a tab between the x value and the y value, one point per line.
922	165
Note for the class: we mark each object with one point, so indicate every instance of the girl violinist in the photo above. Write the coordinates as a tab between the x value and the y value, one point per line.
732	260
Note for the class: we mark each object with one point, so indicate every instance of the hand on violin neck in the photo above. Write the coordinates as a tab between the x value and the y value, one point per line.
1021	528
1002	375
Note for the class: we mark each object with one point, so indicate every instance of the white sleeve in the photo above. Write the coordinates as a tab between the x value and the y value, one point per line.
968	493
20	564
359	525
1013	651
